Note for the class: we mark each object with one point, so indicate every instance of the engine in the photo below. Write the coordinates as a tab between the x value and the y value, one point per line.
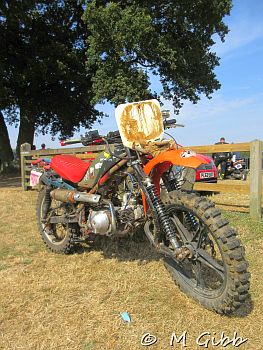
115	220
121	213
100	221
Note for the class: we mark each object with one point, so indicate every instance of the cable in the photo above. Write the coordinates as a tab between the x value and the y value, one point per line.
131	191
115	155
166	133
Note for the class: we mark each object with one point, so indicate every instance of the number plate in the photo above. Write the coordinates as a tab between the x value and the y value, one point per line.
238	166
34	177
206	175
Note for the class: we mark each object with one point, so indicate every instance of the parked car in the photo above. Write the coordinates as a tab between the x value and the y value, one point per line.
206	172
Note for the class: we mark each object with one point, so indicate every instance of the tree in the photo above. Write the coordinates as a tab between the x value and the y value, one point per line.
171	39
42	61
6	153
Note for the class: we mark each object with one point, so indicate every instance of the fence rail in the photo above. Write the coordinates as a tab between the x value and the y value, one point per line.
254	189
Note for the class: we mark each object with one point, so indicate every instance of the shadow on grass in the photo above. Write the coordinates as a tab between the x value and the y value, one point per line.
123	249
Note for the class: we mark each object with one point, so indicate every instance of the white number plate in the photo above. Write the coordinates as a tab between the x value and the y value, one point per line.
206	175
34	177
238	166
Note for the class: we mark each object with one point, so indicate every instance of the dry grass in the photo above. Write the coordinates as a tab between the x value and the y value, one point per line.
50	301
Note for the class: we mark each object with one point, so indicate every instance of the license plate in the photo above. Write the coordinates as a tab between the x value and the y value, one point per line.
206	175
238	166
34	177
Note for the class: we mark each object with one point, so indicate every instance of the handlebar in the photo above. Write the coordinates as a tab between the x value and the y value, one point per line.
69	142
92	137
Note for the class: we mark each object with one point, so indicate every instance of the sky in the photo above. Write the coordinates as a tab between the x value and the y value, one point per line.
235	111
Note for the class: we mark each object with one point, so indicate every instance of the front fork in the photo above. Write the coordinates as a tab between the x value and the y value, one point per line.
161	217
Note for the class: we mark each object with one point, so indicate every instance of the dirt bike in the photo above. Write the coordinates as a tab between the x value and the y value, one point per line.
126	188
234	170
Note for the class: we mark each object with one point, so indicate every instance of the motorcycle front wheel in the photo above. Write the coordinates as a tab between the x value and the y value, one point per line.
216	275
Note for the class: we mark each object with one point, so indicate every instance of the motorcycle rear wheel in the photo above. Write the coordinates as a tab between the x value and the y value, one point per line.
221	285
244	176
59	238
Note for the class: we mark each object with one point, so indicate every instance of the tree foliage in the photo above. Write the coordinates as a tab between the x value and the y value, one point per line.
42	65
172	39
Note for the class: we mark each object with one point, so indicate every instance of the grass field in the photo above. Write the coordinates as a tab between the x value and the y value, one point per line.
50	301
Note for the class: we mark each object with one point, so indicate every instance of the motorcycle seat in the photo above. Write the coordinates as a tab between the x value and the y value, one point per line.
69	167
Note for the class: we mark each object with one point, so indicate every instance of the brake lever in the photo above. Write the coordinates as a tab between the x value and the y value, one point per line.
179	125
175	125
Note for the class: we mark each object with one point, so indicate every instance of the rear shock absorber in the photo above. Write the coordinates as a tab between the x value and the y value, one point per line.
191	220
171	183
161	213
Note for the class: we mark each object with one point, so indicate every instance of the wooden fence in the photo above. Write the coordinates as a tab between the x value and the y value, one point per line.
253	189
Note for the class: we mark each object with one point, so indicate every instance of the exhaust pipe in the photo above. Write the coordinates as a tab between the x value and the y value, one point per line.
68	196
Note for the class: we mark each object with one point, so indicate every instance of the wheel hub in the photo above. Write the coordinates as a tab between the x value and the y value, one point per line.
184	252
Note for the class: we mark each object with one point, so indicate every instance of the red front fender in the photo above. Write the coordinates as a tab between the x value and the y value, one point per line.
161	163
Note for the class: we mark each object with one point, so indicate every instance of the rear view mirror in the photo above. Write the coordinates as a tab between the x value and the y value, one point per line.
166	114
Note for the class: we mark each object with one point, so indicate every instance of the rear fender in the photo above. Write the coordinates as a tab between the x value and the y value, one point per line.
163	161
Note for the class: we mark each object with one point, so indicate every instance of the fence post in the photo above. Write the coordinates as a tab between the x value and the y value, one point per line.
255	179
24	148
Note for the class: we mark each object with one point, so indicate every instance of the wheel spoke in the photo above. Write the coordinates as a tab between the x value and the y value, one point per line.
187	236
198	273
199	235
206	259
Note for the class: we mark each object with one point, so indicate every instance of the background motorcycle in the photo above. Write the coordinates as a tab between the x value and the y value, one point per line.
117	192
233	169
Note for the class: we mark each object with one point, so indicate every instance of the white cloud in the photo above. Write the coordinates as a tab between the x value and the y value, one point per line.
237	119
240	35
215	107
245	25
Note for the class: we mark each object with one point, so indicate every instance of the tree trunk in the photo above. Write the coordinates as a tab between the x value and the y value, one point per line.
6	153
26	131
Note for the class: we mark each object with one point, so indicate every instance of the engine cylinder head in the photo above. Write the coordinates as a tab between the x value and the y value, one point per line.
100	221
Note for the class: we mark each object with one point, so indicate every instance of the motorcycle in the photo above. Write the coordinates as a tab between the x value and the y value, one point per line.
127	188
232	169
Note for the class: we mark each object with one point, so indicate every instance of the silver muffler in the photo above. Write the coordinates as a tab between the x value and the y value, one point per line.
69	196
